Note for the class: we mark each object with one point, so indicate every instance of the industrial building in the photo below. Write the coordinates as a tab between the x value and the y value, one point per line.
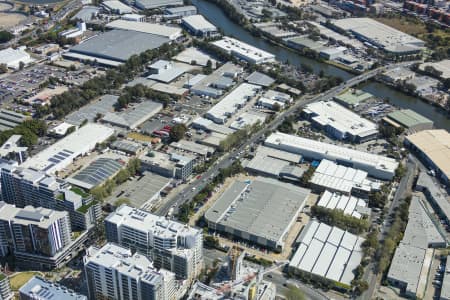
438	198
5	288
198	25
349	205
171	165
151	4
38	288
352	98
116	7
192	147
270	103
115	47
171	245
442	66
13	58
433	148
248	119
244	51
91	111
114	272
244	209
412	259
342	179
210	126
86	14
381	36
232	102
165	71
62	153
270	162
259	78
301	42
10	119
126	146
375	165
37	237
134	115
340	122
409	120
133	17
163	31
328	252
445	288
180	11
96	173
278	96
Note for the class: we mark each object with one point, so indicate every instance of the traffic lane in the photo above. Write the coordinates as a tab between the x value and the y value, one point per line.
281	282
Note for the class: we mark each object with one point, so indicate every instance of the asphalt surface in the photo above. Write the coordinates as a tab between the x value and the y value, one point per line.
197	185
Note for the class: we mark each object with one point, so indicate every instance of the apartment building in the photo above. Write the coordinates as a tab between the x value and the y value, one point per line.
171	245
113	272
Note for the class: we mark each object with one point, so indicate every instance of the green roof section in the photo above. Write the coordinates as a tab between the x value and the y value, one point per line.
83	209
2	276
353	97
80	192
408	118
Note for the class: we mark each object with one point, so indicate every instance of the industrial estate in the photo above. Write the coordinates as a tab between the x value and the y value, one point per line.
224	149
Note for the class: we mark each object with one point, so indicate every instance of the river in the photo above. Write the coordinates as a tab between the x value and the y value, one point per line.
216	16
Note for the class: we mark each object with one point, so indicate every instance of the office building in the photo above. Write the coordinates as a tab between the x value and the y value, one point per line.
172	165
171	245
433	148
22	187
339	122
341	179
113	272
260	211
5	288
381	36
328	252
38	238
232	102
412	259
409	120
198	25
38	288
244	51
62	153
375	165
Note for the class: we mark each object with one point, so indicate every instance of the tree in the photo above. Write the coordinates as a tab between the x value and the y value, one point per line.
276	106
21	65
294	293
121	201
70	130
177	132
5	36
3	68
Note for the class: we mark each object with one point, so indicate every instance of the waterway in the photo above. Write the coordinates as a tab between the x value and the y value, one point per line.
216	16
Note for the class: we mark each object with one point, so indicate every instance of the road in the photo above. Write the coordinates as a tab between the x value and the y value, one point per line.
189	192
403	187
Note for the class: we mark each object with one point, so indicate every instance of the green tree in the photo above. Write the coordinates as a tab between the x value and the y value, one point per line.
3	68
121	201
177	132
294	293
5	36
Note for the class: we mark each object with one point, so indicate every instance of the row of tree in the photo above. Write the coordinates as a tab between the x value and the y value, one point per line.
336	217
30	130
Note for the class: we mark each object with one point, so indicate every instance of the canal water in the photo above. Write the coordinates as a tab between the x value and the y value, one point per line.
216	16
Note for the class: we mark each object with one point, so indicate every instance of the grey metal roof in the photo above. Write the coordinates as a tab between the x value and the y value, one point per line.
260	79
96	173
119	45
264	207
126	146
134	115
39	288
89	112
86	13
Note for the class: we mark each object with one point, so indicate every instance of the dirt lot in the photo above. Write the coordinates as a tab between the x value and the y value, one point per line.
8	20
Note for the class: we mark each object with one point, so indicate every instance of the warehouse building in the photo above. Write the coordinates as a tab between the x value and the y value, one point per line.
180	11
408	119
327	252
12	58
116	7
151	4
192	147
171	165
126	146
134	115
248	119
375	165
301	42
96	173
339	122
232	102
433	147
10	119
168	32
261	79
342	179
133	17
90	111
438	198
165	71
244	51
412	259
62	153
198	25
210	126
352	98
115	47
381	36
278	96
445	289
349	205
244	208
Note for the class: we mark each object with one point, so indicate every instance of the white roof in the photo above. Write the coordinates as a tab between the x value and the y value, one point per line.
169	32
61	154
198	22
117	5
347	203
244	51
376	165
12	57
330	113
